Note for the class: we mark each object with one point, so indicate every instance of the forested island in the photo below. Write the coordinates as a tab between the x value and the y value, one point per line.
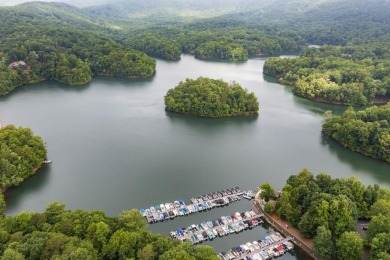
207	97
327	209
366	131
351	75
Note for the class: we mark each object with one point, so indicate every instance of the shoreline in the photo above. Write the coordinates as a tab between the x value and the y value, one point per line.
6	190
245	115
355	151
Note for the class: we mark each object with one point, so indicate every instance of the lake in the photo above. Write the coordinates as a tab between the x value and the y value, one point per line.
114	147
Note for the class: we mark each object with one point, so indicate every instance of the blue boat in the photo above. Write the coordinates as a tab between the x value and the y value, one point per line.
161	217
179	232
264	254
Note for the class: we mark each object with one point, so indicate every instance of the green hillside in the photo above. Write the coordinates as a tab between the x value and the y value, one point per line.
50	41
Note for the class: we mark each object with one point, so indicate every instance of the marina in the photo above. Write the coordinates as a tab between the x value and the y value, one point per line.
166	211
271	246
225	225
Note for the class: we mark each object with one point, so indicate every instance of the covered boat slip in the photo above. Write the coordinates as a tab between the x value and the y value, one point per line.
222	226
204	202
271	246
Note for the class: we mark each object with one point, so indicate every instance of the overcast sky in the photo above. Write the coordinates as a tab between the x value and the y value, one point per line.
79	3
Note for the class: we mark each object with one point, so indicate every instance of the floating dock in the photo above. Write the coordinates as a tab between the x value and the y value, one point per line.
167	211
271	246
226	225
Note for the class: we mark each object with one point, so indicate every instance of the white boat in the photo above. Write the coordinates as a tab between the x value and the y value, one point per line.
47	161
248	195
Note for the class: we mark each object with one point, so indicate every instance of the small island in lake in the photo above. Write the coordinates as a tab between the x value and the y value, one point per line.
207	97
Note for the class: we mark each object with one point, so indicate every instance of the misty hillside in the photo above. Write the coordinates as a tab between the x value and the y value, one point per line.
42	13
277	9
78	3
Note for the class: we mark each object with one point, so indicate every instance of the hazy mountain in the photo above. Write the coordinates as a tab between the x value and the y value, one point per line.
45	14
264	9
312	17
78	3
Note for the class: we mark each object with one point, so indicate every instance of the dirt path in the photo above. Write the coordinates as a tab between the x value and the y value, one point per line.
294	231
284	228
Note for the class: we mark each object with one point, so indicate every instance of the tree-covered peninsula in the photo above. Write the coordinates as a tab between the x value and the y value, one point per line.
207	97
327	209
68	56
355	75
56	42
58	233
366	131
21	154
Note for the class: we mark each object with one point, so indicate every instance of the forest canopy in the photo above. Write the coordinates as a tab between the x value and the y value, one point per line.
30	54
366	131
233	44
328	208
207	97
353	75
58	233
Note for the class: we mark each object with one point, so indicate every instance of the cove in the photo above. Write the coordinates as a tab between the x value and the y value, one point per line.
114	147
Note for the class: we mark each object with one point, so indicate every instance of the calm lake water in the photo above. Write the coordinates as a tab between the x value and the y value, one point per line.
114	147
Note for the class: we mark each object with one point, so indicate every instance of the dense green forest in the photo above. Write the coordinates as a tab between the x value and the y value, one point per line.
351	75
229	30
234	43
70	56
366	131
156	46
334	22
58	233
327	209
207	97
212	30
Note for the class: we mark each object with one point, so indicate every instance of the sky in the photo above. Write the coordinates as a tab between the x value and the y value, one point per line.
78	3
